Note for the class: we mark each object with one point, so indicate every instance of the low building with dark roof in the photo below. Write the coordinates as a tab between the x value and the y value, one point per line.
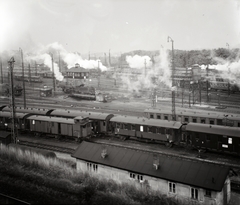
185	180
77	75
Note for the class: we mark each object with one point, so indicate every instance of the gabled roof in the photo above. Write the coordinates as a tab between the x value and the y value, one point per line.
77	70
194	173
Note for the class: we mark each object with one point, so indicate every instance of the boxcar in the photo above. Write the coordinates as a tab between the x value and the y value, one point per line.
214	137
57	126
99	121
144	128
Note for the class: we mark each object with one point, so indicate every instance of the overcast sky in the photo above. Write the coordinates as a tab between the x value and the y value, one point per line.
120	25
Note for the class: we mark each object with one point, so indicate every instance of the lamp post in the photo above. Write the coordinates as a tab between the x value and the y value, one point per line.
173	84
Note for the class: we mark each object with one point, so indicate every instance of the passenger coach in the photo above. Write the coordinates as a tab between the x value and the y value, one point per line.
144	128
214	137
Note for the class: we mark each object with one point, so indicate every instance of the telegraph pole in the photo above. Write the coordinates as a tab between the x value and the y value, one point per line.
29	73
12	103
59	61
228	73
24	91
35	68
109	58
173	83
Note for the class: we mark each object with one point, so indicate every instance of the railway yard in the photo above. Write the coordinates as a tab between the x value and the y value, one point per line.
122	102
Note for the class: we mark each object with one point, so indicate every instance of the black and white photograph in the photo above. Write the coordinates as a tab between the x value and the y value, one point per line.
120	102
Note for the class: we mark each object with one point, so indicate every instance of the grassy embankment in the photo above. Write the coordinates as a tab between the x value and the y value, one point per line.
37	179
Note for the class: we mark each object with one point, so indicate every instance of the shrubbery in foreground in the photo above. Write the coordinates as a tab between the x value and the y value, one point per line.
39	180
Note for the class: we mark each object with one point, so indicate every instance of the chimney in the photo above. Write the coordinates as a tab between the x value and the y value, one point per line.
104	152
156	162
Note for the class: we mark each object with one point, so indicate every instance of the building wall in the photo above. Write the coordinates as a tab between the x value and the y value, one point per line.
182	192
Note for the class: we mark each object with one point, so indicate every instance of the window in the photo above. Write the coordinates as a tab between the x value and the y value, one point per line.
149	129
194	120
132	176
203	121
151	116
208	193
229	140
165	117
133	127
194	193
238	124
104	123
159	117
185	119
33	122
211	121
172	187
92	167
141	128
140	178
125	126
208	137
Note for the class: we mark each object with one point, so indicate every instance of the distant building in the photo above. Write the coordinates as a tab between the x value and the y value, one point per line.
187	181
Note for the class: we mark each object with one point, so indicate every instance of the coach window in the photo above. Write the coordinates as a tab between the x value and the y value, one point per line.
238	124
149	129
117	125
133	127
132	176
203	121
211	121
165	117
159	117
104	123
185	119
208	137
33	122
229	140
141	128
194	120
125	126
151	115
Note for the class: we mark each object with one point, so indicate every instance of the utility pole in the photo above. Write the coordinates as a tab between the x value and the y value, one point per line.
89	57
207	84
109	58
24	90
173	83
29	74
35	68
14	133
1	72
228	73
53	77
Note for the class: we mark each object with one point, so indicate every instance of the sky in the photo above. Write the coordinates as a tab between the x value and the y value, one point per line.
88	26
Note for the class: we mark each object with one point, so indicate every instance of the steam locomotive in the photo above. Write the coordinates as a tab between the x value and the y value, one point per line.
82	124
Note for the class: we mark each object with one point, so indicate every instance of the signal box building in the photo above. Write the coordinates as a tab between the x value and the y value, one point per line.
77	75
187	181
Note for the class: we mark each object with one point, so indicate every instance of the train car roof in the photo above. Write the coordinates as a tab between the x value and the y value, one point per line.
146	121
37	111
18	114
73	113
190	113
213	129
52	119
